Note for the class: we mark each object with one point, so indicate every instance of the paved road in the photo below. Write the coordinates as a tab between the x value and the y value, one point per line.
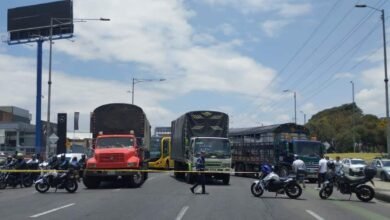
163	197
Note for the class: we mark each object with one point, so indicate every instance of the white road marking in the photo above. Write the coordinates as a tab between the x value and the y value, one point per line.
150	178
314	215
116	190
198	190
182	213
52	210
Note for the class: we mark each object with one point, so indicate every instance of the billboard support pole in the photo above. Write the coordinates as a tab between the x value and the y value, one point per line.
38	127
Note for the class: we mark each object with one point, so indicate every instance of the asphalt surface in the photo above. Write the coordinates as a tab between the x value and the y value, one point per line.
164	197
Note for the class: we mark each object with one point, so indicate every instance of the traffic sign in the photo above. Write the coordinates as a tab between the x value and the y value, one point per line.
53	138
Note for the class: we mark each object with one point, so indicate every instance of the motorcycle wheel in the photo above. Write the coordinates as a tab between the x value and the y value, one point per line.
257	191
71	186
365	193
42	187
28	182
3	184
293	190
326	192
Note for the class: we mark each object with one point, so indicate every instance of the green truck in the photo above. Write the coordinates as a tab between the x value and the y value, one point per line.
198	131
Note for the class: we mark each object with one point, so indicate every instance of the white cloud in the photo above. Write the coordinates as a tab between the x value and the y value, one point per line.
372	98
273	27
343	76
227	29
293	10
282	7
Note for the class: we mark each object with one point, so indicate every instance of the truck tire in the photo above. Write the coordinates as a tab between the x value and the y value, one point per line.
91	182
226	179
136	180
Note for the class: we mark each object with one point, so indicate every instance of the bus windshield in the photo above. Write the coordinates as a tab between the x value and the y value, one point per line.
155	149
308	148
114	142
219	148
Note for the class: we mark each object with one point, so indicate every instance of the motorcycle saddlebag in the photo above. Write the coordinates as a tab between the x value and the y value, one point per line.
370	171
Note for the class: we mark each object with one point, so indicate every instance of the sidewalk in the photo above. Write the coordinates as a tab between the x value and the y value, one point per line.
382	190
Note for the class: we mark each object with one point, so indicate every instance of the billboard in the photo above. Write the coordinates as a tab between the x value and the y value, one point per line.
35	20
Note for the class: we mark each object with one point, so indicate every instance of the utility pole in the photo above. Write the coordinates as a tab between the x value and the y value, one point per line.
353	117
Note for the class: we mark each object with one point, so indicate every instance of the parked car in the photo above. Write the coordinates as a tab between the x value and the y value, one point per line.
353	166
382	168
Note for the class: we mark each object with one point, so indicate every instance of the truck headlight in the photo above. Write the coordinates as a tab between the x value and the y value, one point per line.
131	164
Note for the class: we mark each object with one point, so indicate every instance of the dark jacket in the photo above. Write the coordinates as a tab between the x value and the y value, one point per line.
200	164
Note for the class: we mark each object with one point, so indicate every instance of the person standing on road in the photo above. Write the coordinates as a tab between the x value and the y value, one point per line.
338	165
201	178
299	169
322	169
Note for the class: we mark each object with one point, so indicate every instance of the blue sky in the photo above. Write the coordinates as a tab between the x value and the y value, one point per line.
235	56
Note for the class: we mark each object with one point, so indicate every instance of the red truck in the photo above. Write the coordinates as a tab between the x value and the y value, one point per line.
121	138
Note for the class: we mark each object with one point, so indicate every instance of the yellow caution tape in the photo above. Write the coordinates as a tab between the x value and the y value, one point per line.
127	170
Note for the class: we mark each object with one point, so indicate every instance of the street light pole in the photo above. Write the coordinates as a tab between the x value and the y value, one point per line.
304	117
49	82
135	81
386	79
353	117
295	104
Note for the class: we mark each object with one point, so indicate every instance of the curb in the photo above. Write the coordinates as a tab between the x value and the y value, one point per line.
383	196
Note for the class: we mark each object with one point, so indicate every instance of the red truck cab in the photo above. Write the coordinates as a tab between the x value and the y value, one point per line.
114	155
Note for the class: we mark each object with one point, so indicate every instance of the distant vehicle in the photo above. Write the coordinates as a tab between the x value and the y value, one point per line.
198	131
354	166
382	168
121	139
161	149
276	144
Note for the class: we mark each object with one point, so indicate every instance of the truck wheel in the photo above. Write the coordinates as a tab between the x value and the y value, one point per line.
136	180
91	182
226	179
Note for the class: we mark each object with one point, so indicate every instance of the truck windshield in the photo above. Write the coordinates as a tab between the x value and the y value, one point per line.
219	148
114	142
307	148
155	149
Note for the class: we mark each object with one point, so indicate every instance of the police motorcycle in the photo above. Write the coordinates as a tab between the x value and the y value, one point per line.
59	180
271	182
347	184
15	178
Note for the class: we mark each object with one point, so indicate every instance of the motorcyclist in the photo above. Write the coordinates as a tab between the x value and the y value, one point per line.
64	163
82	161
9	161
54	163
74	163
20	165
33	162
